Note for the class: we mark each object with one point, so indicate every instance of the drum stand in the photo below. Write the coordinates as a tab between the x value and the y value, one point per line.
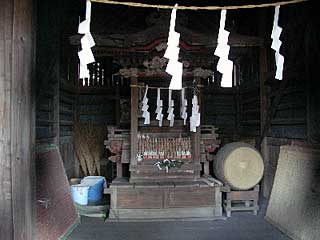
241	200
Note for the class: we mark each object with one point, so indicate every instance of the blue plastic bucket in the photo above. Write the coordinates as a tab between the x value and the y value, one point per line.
79	193
96	185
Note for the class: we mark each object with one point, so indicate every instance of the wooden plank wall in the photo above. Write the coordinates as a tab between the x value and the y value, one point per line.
249	94
235	111
96	108
296	118
66	120
290	119
48	72
220	109
312	53
16	119
98	100
55	90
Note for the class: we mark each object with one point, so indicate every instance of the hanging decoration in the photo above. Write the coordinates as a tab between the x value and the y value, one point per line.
183	109
174	67
87	42
225	66
145	107
167	164
276	44
159	113
170	109
195	116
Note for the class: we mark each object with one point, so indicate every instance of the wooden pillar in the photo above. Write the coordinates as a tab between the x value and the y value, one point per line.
195	137
16	120
117	103
119	170
237	98
134	122
263	70
263	73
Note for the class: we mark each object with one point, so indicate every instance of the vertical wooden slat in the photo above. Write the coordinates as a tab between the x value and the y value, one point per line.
6	222
21	115
16	134
134	122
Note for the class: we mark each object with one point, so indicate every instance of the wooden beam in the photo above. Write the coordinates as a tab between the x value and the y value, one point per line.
16	120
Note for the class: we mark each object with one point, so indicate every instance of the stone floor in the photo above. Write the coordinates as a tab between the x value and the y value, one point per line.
241	226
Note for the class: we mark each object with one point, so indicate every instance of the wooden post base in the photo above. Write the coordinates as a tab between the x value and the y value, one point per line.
241	200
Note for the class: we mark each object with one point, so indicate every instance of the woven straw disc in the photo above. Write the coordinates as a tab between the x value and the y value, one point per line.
240	166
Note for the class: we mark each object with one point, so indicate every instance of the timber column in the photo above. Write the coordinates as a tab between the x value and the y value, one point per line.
16	120
134	123
195	137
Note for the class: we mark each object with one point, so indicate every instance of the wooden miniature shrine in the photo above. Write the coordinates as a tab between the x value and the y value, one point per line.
155	192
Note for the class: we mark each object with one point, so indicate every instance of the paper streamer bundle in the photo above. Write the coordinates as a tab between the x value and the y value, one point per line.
276	44
183	109
87	42
159	113
170	109
225	66
195	117
174	67
145	107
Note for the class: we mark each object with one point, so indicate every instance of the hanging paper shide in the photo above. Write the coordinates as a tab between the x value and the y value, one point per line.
87	42
174	67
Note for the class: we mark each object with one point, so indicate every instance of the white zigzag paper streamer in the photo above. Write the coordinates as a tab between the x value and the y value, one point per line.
170	109
183	109
87	42
159	113
145	107
195	116
276	44
225	66
174	67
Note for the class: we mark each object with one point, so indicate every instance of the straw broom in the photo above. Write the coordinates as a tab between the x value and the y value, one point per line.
89	146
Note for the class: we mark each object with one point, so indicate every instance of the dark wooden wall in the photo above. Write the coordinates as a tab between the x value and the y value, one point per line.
96	108
312	54
220	109
236	111
287	99
293	103
66	120
55	88
249	94
16	119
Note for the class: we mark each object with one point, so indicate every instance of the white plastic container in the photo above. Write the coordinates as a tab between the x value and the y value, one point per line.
79	193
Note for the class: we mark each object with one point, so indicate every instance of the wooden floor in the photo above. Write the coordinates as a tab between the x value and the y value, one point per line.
241	226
